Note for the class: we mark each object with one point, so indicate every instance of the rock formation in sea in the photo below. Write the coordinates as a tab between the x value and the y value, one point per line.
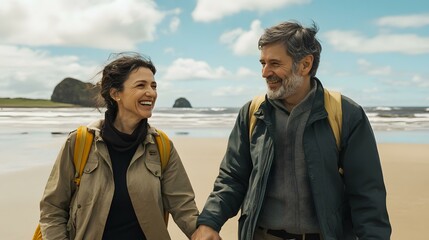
74	91
182	103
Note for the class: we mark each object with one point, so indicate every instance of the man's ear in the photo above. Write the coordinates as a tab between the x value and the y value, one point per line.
306	64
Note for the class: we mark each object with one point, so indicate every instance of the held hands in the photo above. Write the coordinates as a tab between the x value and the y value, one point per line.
204	232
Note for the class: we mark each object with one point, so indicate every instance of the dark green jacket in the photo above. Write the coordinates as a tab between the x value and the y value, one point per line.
347	207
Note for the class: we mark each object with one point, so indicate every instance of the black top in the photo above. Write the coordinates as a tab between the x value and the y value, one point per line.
122	221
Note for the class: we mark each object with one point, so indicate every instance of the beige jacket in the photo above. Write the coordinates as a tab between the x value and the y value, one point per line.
70	213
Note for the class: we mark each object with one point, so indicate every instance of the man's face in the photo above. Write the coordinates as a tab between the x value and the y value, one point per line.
279	72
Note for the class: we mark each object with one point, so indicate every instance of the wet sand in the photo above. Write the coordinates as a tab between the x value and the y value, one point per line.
405	167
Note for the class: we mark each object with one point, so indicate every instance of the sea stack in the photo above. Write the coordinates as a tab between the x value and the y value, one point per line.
182	103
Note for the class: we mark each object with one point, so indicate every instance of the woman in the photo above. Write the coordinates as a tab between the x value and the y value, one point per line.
121	194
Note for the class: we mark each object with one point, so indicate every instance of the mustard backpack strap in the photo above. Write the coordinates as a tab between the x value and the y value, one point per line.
163	144
254	106
38	233
81	150
164	147
335	117
335	114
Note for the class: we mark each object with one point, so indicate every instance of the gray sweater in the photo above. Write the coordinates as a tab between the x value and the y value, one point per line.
288	203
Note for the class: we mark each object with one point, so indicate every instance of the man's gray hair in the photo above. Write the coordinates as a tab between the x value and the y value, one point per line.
298	41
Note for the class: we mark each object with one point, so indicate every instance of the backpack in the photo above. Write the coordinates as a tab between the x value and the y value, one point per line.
81	152
332	106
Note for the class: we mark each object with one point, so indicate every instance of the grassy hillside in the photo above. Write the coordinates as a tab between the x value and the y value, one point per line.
28	102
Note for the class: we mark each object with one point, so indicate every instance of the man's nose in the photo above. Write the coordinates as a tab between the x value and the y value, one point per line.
266	72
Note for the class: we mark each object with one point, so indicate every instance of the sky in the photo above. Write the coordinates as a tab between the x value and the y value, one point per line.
375	52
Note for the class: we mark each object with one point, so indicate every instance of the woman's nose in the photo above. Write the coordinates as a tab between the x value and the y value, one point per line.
150	92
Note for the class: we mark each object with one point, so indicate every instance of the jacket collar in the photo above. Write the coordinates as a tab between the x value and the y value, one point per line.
96	126
318	107
265	108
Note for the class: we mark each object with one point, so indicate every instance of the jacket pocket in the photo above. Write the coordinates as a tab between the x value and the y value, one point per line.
88	171
90	167
90	185
153	162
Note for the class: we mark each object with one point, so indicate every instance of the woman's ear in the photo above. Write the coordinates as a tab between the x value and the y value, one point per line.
114	94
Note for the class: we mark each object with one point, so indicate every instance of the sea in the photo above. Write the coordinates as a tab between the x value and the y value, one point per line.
31	137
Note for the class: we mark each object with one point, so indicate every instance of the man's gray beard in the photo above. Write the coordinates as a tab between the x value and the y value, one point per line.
289	87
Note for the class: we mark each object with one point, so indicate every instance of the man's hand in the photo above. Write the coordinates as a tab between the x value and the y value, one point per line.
204	232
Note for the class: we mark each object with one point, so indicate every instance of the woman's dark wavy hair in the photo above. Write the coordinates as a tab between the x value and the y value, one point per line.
117	72
297	40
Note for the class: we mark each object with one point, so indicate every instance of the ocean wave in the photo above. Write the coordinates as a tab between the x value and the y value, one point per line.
196	118
383	108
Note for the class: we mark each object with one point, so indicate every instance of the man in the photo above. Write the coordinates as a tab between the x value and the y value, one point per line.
285	176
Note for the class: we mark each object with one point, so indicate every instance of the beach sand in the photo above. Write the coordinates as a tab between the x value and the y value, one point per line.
405	166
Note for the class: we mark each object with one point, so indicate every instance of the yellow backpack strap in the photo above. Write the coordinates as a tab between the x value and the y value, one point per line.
335	117
81	150
38	233
164	147
163	144
335	114
254	106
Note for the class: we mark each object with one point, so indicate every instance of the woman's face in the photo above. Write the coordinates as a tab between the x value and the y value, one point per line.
137	99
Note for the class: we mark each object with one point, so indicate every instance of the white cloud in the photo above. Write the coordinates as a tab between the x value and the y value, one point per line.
350	41
371	91
174	11
209	10
371	69
393	78
169	50
228	91
190	69
396	82
420	81
415	80
243	72
174	24
113	24
341	74
404	21
243	42
34	74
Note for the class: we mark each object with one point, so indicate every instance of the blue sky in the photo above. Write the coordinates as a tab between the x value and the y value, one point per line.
376	52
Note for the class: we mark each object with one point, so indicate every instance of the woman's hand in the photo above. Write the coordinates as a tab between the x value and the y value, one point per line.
204	232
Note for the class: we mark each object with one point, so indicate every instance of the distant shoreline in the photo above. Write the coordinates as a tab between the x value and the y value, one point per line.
32	103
